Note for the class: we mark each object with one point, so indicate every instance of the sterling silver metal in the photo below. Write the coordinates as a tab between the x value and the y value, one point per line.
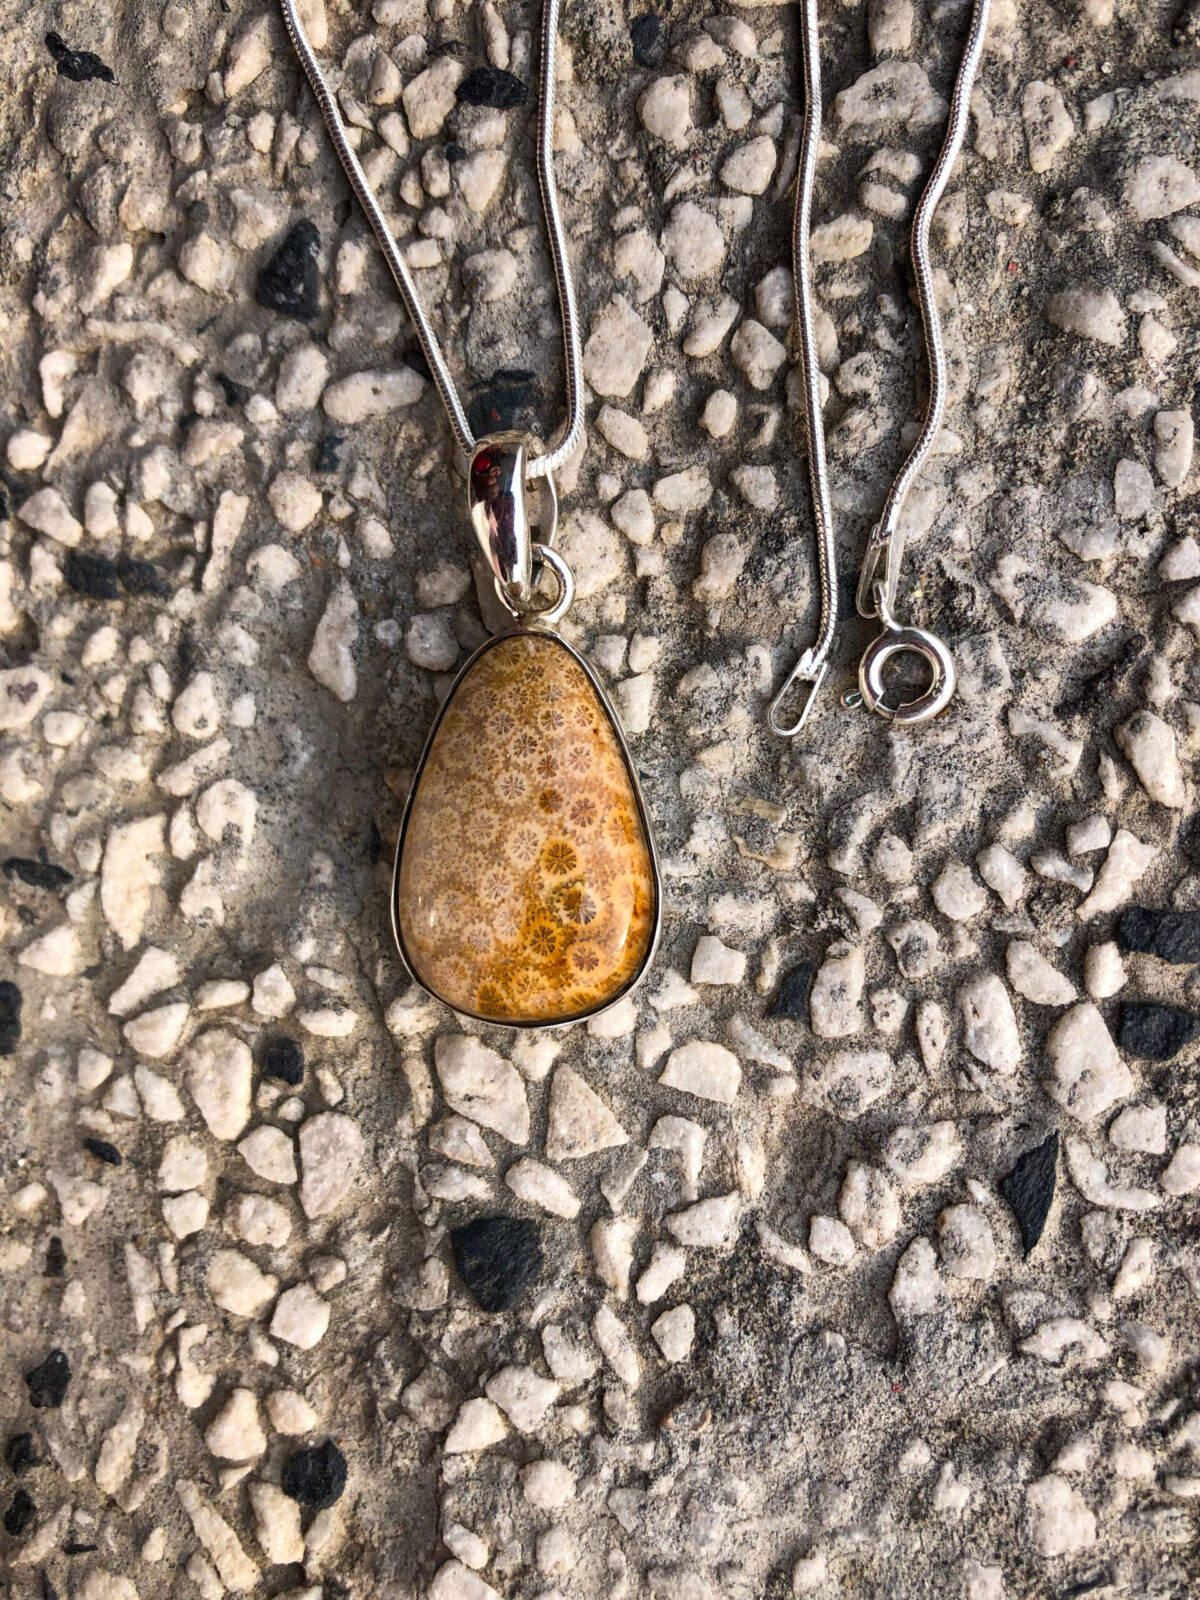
496	477
532	612
538	466
881	563
534	626
895	640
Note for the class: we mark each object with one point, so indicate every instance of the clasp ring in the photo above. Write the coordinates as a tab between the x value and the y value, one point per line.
543	559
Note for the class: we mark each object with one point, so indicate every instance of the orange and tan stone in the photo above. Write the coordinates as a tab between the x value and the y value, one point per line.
525	890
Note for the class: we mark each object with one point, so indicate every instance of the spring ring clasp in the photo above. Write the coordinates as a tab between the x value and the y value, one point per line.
896	640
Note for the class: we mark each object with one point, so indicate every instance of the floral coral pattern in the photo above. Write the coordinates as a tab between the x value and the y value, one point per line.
525	890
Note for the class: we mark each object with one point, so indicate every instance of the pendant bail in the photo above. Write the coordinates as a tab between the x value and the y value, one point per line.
496	476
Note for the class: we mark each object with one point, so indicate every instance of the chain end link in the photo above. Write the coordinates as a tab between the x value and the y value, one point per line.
807	670
878	570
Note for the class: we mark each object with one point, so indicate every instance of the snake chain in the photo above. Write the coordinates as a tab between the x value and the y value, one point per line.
553	458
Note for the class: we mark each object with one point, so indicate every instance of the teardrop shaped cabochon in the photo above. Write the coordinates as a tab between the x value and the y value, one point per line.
526	889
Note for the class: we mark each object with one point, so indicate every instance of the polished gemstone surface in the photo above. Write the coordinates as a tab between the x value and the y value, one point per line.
525	889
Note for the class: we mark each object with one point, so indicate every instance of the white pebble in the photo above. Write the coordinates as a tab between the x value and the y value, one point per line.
269	1153
301	1317
719	414
429	642
218	1068
363	395
541	1186
831	1241
1148	744
579	1122
1037	979
674	1331
237	1285
757	353
709	1223
665	111
617	348
183	1165
1002	872
715	963
235	1433
1141	1128
548	1484
751	167
522	1395
868	1206
835	1002
1089	1075
303	373
693	242
290	1413
704	1069
47	512
991	1033
615	1344
956	894
1059	1518
965	1238
1182	1173
666	1266
331	659
156	1033
331	1151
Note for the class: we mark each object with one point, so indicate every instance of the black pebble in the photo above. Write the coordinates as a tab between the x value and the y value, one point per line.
507	401
1173	936
290	282
142	577
283	1058
10	1016
92	576
21	1512
56	1258
48	1381
74	1548
498	1258
236	394
792	999
20	1454
38	874
1154	1032
491	86
1029	1189
49	1592
649	40
329	457
78	65
315	1477
103	1151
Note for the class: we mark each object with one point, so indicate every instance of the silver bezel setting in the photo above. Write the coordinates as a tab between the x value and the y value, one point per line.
529	627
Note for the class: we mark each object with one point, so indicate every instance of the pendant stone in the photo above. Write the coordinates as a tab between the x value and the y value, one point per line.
525	885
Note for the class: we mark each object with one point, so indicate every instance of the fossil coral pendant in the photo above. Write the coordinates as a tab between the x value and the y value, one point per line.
526	889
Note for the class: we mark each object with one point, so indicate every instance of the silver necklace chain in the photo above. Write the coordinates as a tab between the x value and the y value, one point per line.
538	465
881	564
